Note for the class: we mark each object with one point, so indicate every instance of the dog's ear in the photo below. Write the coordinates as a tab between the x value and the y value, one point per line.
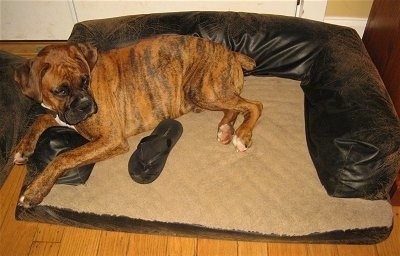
28	76
89	52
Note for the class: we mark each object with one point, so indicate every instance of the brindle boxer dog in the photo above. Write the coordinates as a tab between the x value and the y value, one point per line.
109	96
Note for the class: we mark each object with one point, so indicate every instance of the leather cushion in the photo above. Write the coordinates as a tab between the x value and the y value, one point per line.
55	141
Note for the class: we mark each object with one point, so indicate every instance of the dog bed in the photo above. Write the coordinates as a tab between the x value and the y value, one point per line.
270	191
350	135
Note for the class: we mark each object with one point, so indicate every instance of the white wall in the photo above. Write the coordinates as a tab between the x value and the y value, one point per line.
358	24
91	9
54	19
35	20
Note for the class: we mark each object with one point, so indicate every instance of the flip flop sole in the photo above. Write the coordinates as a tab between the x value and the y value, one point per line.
147	162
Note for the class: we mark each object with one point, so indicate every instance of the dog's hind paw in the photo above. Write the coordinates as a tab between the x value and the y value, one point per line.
237	142
225	133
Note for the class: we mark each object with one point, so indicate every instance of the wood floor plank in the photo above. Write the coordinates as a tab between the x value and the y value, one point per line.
391	246
151	245
113	243
322	249
252	249
15	236
49	233
79	241
9	188
181	246
44	248
357	250
287	249
211	247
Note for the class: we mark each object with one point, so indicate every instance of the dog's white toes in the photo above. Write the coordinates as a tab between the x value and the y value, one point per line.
23	203
240	147
19	159
21	199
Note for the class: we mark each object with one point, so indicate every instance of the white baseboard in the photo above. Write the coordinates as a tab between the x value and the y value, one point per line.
357	23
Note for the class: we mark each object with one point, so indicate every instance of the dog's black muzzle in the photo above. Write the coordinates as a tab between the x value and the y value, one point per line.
81	107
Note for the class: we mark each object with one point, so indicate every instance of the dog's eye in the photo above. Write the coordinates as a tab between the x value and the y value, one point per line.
85	81
62	91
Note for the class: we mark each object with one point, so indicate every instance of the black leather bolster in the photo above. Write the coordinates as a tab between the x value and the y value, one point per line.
55	141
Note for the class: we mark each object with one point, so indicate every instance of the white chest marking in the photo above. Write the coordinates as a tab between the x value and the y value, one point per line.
58	120
45	106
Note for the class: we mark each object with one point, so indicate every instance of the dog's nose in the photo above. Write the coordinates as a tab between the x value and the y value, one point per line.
80	108
83	103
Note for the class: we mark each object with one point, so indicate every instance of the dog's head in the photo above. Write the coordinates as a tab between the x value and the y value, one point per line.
59	78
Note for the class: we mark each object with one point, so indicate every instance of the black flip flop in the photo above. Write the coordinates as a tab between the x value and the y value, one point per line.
148	160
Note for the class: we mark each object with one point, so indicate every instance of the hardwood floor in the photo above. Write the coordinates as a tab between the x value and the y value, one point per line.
30	238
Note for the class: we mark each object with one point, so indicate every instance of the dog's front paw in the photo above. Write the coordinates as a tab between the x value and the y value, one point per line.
31	197
20	158
22	152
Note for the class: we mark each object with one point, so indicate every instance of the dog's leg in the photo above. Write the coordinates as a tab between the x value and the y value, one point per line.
232	106
27	145
251	111
90	152
225	127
